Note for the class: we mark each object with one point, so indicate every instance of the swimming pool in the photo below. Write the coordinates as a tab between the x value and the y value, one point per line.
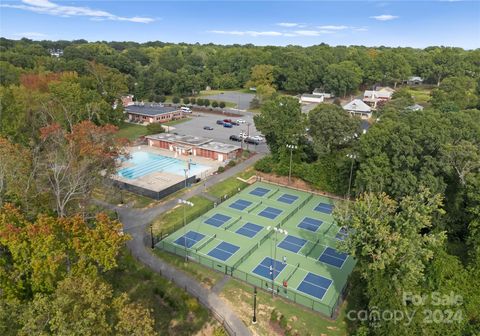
146	163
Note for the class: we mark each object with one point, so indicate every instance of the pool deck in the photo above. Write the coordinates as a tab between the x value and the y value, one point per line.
158	181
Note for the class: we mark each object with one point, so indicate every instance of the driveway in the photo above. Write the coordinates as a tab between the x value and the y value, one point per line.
242	100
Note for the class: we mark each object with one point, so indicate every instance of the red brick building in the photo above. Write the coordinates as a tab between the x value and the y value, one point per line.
152	113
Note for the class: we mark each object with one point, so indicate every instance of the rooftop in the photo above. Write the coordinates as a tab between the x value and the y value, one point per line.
183	139
309	95
357	105
219	147
150	109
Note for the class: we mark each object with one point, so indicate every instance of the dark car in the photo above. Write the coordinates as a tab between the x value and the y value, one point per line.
234	123
228	125
208	128
252	141
235	138
220	122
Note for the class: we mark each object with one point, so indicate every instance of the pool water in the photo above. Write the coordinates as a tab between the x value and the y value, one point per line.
146	163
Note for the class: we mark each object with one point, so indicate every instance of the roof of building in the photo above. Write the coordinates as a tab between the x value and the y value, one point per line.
415	107
182	139
373	95
150	109
219	147
385	89
357	105
309	95
415	78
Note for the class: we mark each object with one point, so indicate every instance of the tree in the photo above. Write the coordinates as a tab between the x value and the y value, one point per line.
393	67
162	99
331	128
214	104
458	93
155	128
193	101
281	120
261	74
70	164
206	102
222	104
176	100
200	101
343	78
186	100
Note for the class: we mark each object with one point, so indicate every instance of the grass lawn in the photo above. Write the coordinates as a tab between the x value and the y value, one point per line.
300	320
176	122
227	187
205	275
131	131
173	219
114	195
421	95
175	312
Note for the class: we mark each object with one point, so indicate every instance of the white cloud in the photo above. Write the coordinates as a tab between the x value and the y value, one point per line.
307	32
288	24
384	17
31	35
333	27
360	29
50	8
246	33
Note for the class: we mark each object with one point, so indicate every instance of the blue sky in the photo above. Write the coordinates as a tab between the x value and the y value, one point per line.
372	23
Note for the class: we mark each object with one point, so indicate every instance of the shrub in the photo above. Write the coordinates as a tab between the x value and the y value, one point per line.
206	102
193	101
200	101
231	163
162	99
274	315
337	101
175	100
283	322
186	100
155	128
220	169
265	165
156	98
221	104
215	104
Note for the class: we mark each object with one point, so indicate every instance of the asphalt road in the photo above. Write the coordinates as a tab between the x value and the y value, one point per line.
219	133
241	99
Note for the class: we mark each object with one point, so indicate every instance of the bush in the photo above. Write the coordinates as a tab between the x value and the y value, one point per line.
265	165
231	163
206	102
283	322
274	315
221	104
193	101
155	128
200	101
186	100
220	169
162	99
337	102
176	100
215	104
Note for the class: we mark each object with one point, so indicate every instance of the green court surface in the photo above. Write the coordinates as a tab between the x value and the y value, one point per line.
238	238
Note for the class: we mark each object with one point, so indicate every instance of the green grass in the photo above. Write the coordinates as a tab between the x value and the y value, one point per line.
175	312
226	187
176	122
300	319
131	131
421	95
173	219
114	195
206	276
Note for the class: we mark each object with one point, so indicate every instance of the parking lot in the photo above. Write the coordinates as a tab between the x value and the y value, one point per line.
219	133
241	99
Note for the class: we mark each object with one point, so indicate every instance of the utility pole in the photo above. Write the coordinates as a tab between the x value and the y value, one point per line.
291	147
353	157
254	320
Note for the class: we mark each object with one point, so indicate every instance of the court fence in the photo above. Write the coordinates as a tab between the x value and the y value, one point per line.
327	308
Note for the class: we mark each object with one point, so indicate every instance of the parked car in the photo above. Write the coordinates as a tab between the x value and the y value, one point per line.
242	135
227	120
257	137
235	123
208	128
220	122
241	121
235	138
252	141
228	125
186	109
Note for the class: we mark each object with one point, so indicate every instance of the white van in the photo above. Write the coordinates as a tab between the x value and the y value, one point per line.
185	109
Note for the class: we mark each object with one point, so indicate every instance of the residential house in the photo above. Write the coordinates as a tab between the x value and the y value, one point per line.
358	108
415	80
415	107
321	92
374	98
127	100
307	98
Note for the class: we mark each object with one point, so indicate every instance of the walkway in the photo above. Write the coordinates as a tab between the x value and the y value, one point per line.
135	223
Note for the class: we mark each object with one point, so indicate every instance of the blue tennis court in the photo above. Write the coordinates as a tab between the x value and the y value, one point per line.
263	269
249	230
310	224
223	251
333	257
287	198
270	212
314	285
217	220
240	204
324	207
292	243
259	191
342	234
189	239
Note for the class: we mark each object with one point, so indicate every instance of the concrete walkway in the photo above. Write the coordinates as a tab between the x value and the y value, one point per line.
135	223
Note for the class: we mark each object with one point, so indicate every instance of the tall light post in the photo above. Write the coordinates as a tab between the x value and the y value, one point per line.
248	133
186	175
185	203
353	157
274	241
254	320
291	147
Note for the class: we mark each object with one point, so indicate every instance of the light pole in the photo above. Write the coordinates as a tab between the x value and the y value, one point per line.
186	176
254	320
291	147
274	241
185	203
248	134
151	235
353	157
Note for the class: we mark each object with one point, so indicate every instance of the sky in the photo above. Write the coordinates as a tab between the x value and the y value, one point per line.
406	23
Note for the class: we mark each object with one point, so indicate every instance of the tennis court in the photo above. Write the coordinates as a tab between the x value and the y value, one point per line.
302	263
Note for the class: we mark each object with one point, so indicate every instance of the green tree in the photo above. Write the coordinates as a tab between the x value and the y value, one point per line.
343	78
186	100
222	104
457	92
206	102
214	104
176	100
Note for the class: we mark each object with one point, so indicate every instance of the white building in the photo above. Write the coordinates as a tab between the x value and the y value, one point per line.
415	80
358	108
307	98
374	97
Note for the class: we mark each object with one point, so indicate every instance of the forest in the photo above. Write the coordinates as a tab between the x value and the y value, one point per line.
415	175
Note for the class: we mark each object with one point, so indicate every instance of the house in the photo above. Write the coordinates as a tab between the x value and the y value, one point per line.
415	80
152	113
307	98
374	98
358	108
385	89
415	107
127	100
320	92
56	52
196	146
